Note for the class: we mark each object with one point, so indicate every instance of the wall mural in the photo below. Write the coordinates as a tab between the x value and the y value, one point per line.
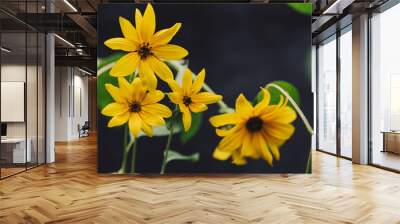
204	88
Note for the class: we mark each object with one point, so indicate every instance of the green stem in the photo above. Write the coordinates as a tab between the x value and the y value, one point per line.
168	145
125	158
133	155
223	107
302	116
166	151
309	162
295	106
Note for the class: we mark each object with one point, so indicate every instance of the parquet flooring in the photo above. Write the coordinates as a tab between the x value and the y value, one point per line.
70	191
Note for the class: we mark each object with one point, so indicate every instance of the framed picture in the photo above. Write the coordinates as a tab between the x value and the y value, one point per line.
204	88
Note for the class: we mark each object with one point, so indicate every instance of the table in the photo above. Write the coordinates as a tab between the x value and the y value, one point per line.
391	141
15	148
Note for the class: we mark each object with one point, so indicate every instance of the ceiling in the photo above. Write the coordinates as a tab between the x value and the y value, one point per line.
75	20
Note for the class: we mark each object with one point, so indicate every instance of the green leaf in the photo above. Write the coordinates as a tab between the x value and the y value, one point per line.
101	62
159	131
275	93
103	97
302	8
103	68
194	128
173	155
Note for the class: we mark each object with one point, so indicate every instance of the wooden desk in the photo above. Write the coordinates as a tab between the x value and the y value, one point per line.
13	150
391	141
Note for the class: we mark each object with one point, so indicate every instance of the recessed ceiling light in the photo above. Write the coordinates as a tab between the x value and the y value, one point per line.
84	71
5	50
64	40
70	5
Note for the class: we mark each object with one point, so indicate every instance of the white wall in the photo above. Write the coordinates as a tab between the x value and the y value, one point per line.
33	126
71	102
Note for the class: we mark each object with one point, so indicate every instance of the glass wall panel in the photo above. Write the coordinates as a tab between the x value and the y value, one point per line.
41	79
22	67
31	98
385	89
327	96
346	94
13	94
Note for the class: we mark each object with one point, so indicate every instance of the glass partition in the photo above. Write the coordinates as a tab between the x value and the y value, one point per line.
22	77
385	89
327	96
13	94
346	93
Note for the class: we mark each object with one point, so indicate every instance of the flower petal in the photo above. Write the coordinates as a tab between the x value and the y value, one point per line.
118	120
221	155
128	30
243	106
237	159
263	103
153	97
176	98
138	91
198	83
187	82
125	65
175	87
151	119
148	24
187	120
119	43
232	142
160	68
263	148
197	107
285	115
222	132
125	88
114	109
280	131
224	119
115	93
274	149
170	52
135	124
147	129
158	109
138	22
248	148
147	76
205	97
164	36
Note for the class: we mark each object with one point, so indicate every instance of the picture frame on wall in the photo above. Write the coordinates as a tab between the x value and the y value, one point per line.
204	88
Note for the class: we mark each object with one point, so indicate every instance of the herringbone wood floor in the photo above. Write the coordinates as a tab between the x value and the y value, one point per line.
70	191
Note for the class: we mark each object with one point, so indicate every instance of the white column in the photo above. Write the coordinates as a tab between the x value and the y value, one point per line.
50	92
360	90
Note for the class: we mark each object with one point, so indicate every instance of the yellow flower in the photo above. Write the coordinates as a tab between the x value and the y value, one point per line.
136	105
189	98
146	50
254	132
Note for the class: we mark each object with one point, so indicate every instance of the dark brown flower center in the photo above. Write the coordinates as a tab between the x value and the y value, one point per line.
187	100
134	107
144	51
254	124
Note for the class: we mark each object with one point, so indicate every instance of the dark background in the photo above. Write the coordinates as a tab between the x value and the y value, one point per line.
242	47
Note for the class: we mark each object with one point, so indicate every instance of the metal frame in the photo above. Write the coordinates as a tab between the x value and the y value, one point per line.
337	35
389	4
44	74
